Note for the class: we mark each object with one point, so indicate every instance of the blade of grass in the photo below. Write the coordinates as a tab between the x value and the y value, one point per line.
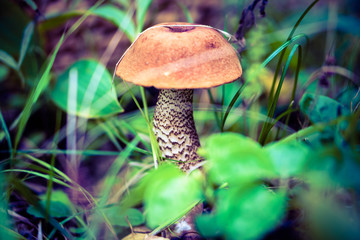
48	166
292	99
43	82
233	101
271	111
277	119
7	136
12	232
143	97
153	142
52	162
41	175
8	60
134	132
27	35
222	102
115	131
186	11
68	152
212	101
154	146
111	133
282	48
283	53
142	7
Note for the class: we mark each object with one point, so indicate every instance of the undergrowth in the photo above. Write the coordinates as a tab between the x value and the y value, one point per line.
79	159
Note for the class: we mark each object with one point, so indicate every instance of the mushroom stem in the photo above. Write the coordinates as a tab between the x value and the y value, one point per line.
174	127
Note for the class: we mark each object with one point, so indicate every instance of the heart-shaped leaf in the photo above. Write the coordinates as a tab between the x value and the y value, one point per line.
235	159
170	195
85	89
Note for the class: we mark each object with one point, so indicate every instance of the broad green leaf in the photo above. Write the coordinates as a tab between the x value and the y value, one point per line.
250	213
235	159
142	7
154	177
60	206
118	217
87	92
119	18
8	60
169	195
289	159
28	32
321	108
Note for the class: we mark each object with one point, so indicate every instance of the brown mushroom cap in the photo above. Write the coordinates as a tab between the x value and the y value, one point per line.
180	57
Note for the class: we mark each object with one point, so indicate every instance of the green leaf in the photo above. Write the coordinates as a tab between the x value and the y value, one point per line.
118	17
289	159
8	60
142	7
208	225
249	214
118	217
60	206
169	194
321	108
28	32
235	159
85	89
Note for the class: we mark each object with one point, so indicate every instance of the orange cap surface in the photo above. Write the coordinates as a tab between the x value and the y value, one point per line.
167	56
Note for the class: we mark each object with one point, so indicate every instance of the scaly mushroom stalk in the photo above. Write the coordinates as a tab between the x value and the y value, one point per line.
174	127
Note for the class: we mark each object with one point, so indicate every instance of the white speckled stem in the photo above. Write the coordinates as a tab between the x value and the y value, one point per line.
174	127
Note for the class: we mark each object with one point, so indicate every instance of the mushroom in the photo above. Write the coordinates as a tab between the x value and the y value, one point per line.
178	58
